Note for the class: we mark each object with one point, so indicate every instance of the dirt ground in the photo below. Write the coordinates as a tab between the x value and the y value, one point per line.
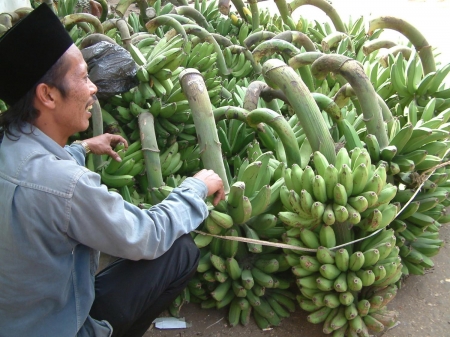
423	302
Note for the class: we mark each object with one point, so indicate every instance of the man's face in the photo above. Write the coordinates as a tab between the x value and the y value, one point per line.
72	113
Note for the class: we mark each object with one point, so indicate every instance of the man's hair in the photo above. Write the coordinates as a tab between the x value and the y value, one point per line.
23	110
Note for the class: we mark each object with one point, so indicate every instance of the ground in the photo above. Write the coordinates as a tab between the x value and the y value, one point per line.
423	301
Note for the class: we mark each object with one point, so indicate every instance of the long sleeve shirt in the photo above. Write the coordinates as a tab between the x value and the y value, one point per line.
55	217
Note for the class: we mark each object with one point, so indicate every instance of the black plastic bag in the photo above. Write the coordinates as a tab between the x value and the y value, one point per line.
111	68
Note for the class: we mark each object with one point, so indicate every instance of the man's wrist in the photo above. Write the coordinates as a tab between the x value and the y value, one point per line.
84	144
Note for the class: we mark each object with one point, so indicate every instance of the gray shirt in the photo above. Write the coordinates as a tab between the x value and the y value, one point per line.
55	217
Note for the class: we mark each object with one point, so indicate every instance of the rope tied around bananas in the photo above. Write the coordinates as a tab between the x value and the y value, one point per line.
421	179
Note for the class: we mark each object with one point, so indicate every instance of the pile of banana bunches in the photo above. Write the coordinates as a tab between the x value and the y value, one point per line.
333	235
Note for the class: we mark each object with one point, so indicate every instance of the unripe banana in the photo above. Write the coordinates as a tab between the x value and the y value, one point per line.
340	283
325	255
346	298
327	236
328	216
353	281
360	177
342	258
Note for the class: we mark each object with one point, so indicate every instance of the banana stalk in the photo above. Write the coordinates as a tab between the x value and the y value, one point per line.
353	72
383	57
194	14
206	36
328	105
325	6
194	87
91	39
83	17
272	46
333	39
222	40
419	42
255	13
283	130
285	13
304	59
124	31
97	129
122	7
258	89
306	109
372	45
239	4
104	5
151	152
153	24
346	91
256	37
299	39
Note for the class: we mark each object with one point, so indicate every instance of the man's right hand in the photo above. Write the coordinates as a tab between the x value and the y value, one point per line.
214	184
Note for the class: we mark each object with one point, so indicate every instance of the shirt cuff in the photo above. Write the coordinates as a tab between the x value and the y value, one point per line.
198	186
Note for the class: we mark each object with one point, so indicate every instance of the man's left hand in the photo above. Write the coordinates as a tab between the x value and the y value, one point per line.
105	144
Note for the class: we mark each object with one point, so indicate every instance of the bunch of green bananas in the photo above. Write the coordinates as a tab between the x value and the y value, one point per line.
354	190
340	288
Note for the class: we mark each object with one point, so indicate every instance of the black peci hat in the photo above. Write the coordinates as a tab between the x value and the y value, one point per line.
28	50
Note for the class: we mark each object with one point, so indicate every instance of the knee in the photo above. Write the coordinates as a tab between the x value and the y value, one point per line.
186	250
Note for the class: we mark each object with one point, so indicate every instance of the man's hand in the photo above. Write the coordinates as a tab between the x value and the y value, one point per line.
214	184
105	144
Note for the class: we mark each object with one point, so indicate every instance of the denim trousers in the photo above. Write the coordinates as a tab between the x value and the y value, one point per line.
131	294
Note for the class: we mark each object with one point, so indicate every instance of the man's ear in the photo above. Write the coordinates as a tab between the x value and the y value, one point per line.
46	95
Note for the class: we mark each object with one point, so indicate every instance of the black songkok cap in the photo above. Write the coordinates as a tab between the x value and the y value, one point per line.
28	50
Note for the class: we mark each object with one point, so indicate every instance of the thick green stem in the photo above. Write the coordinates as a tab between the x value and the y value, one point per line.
298	39
194	87
372	45
258	89
284	131
192	13
122	7
83	17
122	27
333	39
92	39
325	6
239	5
304	59
419	42
206	36
328	105
255	13
254	38
343	233
278	73
383	57
151	152
104	5
273	46
285	13
222	40
153	24
353	72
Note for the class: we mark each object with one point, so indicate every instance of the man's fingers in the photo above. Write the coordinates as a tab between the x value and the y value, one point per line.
219	195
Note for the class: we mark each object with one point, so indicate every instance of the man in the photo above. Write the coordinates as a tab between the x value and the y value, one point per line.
55	216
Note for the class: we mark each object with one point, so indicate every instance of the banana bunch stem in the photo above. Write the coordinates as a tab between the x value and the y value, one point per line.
94	38
256	37
372	45
346	91
154	23
255	13
83	17
417	39
192	13
325	6
333	39
104	5
222	40
151	152
355	75
273	46
343	234
328	105
194	87
304	59
299	39
285	13
224	7
122	27
282	128
258	89
206	36
97	128
306	109
239	4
